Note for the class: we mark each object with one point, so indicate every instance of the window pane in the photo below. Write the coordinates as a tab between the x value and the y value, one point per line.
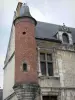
65	38
42	56
43	68
50	69
49	57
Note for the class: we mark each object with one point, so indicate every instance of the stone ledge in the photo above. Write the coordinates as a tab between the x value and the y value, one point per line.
49	77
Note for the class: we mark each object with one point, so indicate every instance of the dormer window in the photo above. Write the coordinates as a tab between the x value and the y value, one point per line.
64	35
65	38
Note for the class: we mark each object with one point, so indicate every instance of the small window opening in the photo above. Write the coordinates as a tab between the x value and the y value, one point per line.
24	33
24	67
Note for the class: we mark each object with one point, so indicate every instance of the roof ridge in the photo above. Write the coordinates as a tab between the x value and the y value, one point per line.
55	24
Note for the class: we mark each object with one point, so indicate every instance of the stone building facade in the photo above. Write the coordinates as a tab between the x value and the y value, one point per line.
40	60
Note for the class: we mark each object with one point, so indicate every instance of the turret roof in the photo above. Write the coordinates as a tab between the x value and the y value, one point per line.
24	11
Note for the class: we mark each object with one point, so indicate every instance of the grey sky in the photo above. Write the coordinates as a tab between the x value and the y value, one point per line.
51	11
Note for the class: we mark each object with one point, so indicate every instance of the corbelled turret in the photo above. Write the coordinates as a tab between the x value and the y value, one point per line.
26	78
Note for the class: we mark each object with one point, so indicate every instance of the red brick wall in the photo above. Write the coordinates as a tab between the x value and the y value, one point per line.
25	50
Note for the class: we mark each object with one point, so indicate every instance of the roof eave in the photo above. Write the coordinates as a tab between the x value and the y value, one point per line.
46	39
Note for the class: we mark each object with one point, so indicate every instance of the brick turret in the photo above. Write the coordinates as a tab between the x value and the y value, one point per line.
25	52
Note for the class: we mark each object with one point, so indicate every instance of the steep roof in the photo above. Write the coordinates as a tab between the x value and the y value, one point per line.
47	30
43	30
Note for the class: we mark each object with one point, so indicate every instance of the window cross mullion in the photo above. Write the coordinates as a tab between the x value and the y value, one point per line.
46	64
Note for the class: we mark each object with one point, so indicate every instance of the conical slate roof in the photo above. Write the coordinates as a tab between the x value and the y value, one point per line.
24	11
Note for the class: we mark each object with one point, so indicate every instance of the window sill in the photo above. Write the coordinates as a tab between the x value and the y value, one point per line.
48	77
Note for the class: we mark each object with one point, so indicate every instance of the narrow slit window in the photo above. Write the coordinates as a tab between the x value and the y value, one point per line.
24	67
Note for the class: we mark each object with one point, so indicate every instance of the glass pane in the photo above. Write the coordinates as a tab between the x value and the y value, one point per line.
49	57
65	38
43	68
42	56
50	69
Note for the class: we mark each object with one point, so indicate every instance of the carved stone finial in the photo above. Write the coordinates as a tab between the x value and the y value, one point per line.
64	28
63	24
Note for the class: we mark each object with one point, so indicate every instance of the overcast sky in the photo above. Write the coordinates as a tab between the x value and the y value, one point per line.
51	11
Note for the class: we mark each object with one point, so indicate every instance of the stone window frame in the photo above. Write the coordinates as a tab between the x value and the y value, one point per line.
46	62
44	50
55	62
60	37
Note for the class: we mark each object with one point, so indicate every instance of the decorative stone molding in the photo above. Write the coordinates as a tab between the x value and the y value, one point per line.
64	28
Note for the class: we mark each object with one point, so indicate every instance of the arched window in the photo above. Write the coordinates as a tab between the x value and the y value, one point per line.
65	38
